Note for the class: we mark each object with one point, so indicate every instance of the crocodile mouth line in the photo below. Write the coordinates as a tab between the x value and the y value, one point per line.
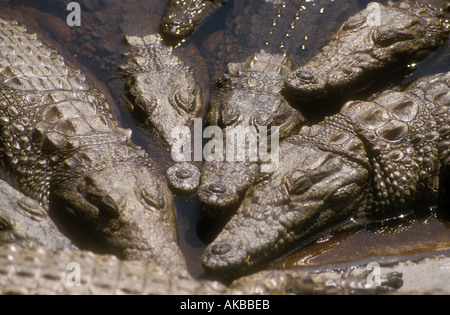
284	244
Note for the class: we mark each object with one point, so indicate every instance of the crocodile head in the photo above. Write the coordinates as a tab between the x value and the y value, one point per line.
370	44
310	192
161	87
248	96
128	208
163	100
181	17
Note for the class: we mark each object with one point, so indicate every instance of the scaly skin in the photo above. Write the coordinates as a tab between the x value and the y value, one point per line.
375	41
161	87
352	57
371	160
40	270
183	178
23	221
247	95
298	27
181	17
62	146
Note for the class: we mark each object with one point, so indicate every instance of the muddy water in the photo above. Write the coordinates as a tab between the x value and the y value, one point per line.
97	47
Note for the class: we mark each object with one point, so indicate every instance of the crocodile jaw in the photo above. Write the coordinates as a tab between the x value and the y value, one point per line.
129	209
373	42
223	185
287	209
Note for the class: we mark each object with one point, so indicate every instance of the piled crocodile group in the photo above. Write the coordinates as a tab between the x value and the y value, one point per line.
61	146
357	53
369	161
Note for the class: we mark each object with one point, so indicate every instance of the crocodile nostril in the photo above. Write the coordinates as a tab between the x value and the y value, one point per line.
304	75
183	173
220	249
217	188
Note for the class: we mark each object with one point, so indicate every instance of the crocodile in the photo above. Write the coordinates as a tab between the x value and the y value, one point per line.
243	28
62	146
163	94
162	90
24	222
371	43
49	271
273	25
369	161
249	92
36	258
248	95
181	17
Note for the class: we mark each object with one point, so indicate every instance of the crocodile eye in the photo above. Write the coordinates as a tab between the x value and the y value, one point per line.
264	119
185	99
305	76
142	108
109	205
298	184
151	198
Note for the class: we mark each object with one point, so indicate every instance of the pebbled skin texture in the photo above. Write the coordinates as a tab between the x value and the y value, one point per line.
373	42
183	178
44	271
371	160
181	17
40	270
354	55
298	27
23	221
162	90
247	95
62	146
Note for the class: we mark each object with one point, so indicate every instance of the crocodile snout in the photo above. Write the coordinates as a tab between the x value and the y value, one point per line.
221	248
